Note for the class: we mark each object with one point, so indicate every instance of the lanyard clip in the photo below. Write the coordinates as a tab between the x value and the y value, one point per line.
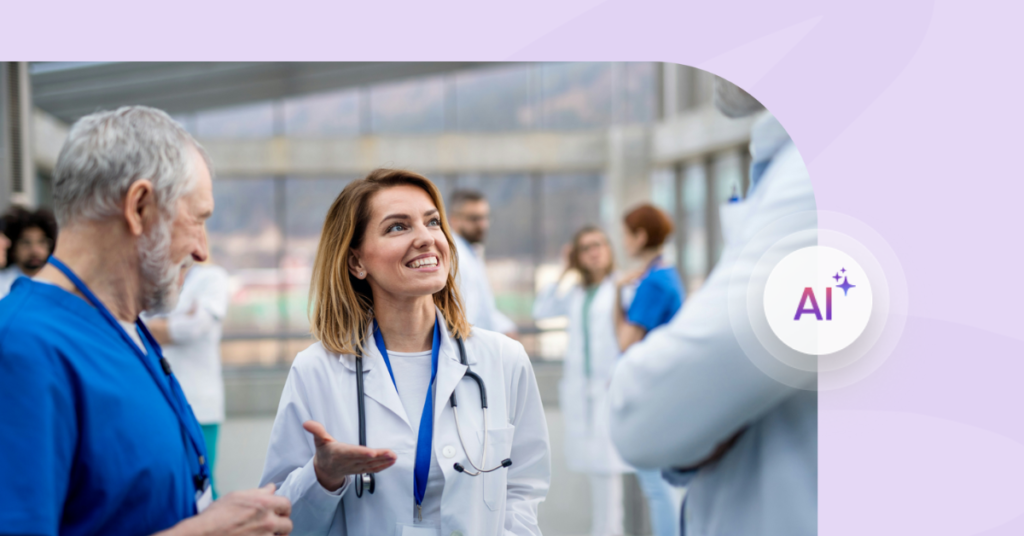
166	365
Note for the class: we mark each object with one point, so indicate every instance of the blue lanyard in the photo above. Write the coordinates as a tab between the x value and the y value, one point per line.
425	439
171	389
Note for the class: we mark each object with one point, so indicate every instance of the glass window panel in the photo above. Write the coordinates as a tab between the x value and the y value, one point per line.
695	203
508	252
569	201
494	99
663	196
323	114
188	121
640	94
576	95
248	121
244	238
307	201
410	106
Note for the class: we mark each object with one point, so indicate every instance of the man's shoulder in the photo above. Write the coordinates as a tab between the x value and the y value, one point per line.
35	309
33	323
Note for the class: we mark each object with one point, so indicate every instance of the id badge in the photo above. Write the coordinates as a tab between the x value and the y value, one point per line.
204	498
403	529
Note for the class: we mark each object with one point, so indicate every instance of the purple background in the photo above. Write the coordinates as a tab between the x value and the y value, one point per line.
908	115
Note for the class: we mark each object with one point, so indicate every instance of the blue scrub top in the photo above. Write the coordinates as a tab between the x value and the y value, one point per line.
659	295
90	444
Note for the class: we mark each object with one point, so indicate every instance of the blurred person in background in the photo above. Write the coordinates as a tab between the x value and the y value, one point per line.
5	243
689	397
190	335
32	235
375	393
587	370
648	297
97	435
470	218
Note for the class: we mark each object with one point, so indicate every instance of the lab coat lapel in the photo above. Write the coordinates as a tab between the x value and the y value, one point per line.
449	372
377	382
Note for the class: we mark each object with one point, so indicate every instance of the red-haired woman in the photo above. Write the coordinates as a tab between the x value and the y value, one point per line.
648	299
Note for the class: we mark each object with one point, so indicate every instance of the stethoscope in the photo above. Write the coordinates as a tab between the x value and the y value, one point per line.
366	480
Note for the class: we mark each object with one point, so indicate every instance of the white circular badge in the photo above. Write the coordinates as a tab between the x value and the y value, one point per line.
817	300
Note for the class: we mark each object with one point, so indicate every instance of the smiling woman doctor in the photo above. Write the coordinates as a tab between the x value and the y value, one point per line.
384	302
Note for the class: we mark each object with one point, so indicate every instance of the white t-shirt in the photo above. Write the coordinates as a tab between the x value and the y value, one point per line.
412	376
133	332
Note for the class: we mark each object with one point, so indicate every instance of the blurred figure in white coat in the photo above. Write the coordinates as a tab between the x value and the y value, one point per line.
190	337
470	218
688	397
587	371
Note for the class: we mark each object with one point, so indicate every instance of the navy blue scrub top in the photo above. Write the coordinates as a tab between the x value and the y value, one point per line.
658	297
88	442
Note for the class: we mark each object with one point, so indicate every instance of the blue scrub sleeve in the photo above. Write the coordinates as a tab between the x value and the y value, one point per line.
652	305
39	434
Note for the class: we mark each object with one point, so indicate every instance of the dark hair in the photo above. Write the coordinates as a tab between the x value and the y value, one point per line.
653	221
18	219
574	255
460	197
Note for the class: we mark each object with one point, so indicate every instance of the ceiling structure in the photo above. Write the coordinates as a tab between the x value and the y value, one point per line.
71	90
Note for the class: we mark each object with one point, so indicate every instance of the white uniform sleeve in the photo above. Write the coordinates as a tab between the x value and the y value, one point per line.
550	303
211	306
688	386
289	463
529	477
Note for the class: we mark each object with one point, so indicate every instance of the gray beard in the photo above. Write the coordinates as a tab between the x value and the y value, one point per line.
159	273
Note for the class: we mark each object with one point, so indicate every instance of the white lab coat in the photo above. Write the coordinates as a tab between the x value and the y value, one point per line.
476	291
321	386
195	325
584	401
688	386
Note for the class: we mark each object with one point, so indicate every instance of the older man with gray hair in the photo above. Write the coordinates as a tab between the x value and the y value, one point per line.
97	435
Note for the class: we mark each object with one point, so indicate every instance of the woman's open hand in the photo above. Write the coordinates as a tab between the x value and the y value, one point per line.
335	460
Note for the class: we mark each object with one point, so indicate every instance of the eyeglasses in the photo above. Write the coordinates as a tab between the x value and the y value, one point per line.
587	247
473	218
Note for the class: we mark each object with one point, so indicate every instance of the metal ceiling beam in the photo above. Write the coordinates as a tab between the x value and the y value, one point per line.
178	87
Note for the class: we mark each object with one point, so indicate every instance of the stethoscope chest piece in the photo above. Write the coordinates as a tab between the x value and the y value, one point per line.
366	482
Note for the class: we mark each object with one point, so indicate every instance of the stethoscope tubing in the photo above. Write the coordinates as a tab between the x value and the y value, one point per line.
367	480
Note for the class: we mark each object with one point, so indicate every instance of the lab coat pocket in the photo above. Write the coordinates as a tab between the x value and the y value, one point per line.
499	447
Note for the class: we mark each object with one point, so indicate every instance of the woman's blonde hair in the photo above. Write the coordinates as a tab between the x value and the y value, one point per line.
341	304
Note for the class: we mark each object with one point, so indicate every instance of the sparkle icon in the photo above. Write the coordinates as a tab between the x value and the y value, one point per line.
846	286
836	277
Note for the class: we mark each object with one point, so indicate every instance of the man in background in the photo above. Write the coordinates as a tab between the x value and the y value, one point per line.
469	215
32	235
190	336
688	396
